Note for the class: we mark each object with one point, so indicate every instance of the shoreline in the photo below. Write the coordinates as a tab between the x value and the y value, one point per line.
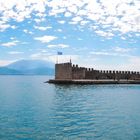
88	81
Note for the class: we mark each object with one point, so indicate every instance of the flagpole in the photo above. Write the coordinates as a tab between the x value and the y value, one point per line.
70	59
57	59
58	53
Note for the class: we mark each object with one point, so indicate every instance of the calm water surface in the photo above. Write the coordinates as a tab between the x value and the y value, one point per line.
33	110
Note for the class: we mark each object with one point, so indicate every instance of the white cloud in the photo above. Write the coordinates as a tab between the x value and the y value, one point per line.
5	62
133	64
58	46
119	15
3	26
53	58
13	27
42	55
15	52
122	50
59	30
12	38
64	37
72	8
27	31
82	23
114	52
44	51
24	43
104	53
68	14
45	39
10	44
63	58
19	10
137	34
42	28
72	22
77	19
36	55
38	20
104	34
61	21
123	38
80	39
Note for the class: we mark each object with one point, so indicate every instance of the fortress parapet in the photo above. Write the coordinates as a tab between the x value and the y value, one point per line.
67	71
78	72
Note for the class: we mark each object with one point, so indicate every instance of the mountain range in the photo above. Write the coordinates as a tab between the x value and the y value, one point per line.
28	67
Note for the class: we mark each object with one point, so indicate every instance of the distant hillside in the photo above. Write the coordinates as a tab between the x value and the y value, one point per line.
29	67
7	71
30	64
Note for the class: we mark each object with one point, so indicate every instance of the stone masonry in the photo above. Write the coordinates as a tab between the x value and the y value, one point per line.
67	71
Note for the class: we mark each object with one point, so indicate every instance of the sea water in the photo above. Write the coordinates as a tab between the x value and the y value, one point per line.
33	110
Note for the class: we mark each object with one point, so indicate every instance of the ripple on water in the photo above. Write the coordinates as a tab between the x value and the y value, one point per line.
33	110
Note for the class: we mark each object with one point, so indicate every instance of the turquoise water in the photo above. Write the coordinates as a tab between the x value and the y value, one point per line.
33	110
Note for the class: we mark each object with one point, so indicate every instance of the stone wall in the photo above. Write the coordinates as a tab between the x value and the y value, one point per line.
91	73
78	73
63	71
67	71
96	74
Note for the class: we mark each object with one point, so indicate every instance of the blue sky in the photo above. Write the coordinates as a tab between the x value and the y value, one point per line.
104	34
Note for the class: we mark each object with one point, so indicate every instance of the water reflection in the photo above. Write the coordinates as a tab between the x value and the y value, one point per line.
31	109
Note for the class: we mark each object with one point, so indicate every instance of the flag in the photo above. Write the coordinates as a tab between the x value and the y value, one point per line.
59	53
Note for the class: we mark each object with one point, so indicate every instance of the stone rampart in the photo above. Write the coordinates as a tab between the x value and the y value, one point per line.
69	71
78	72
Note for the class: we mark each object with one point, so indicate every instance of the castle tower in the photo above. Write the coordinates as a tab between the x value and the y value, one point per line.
63	71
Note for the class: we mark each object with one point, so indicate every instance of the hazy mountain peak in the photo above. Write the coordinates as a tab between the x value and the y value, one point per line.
30	64
29	67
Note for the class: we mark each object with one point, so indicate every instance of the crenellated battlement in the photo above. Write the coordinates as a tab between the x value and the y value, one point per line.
71	71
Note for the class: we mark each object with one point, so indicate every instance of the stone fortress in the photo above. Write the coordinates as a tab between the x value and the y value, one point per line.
67	71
